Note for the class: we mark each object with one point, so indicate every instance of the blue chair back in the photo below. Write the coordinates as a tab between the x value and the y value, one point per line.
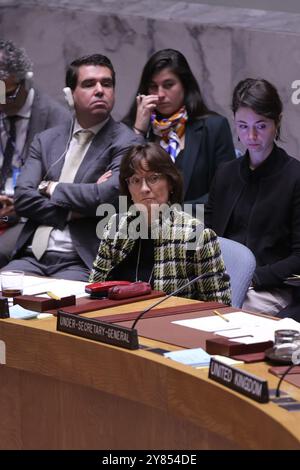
240	265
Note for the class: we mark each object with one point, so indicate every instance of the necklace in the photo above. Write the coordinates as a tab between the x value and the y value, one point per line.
138	264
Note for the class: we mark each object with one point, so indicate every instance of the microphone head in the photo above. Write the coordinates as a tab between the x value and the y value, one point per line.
296	357
29	75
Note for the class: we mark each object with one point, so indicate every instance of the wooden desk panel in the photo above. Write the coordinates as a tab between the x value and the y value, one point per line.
59	391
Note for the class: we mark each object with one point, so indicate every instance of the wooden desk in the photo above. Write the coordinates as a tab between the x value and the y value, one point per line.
59	391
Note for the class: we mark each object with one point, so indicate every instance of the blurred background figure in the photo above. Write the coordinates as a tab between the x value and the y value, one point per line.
71	170
26	112
169	109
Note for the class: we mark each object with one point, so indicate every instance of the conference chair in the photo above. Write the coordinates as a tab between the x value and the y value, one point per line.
240	265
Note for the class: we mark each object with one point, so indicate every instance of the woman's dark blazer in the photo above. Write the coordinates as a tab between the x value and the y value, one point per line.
274	222
208	142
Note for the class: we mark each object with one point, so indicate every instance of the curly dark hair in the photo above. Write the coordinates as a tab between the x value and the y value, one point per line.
13	61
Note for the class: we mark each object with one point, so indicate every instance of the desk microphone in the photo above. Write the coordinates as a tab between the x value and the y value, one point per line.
224	276
296	361
110	333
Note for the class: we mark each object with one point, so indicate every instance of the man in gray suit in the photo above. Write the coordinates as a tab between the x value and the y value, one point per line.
70	171
26	112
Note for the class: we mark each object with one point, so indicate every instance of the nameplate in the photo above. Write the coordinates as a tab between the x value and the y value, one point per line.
240	381
97	330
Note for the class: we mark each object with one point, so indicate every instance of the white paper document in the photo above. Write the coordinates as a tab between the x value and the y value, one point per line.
60	287
265	332
242	327
30	283
214	323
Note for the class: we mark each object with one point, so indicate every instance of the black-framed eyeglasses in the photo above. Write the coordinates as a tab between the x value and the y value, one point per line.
151	180
12	95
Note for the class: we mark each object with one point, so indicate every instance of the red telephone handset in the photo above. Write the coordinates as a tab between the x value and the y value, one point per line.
135	289
100	289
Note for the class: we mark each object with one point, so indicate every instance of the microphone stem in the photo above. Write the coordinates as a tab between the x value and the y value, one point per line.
172	293
152	306
282	378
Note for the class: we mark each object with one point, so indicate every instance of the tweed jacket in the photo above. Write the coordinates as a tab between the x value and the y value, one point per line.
178	258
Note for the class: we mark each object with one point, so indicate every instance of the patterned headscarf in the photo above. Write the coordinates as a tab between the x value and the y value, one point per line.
170	130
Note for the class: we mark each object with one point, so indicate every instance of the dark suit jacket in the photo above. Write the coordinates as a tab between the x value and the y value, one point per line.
208	142
274	223
45	161
45	113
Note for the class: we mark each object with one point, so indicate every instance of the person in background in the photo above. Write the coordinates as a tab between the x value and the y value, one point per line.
26	112
162	254
70	171
169	109
255	200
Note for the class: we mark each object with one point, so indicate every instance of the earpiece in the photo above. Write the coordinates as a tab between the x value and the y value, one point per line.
28	80
29	75
69	96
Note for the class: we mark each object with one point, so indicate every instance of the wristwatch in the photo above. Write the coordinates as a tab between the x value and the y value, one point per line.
43	186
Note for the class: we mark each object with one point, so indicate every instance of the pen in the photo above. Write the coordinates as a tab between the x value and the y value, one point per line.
50	294
53	296
220	315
